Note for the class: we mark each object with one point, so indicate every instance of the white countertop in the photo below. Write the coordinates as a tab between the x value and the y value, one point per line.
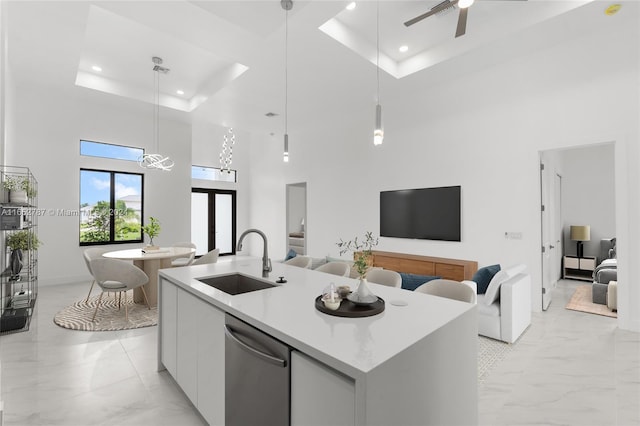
287	312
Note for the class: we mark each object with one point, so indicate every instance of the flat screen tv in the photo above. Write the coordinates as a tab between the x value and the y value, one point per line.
427	213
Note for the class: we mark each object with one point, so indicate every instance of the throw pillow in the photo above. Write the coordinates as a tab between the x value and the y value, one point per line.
292	253
493	291
483	277
413	281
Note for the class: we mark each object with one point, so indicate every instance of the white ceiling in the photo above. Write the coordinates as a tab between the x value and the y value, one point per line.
228	56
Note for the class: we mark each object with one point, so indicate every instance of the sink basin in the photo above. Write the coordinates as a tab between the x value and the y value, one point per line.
235	284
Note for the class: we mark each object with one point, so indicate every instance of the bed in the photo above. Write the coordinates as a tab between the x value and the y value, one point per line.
296	242
605	272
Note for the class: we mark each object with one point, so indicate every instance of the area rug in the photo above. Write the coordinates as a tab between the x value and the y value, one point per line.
490	353
581	301
109	318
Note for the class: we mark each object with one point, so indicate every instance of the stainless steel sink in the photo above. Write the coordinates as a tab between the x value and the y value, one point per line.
235	284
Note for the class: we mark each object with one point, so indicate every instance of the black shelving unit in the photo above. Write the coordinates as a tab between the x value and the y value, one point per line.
18	221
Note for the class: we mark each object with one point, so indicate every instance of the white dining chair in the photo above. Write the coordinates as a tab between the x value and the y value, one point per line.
88	255
113	275
385	277
300	262
211	257
341	269
448	288
187	259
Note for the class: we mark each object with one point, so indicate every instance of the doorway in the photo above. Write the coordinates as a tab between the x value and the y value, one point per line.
297	229
577	188
213	220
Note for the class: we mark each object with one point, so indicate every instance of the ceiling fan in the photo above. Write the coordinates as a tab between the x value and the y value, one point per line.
463	5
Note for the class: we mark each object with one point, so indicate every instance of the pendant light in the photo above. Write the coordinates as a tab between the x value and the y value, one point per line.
378	132
156	161
287	5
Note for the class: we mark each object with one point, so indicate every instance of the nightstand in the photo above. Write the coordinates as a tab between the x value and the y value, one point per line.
578	268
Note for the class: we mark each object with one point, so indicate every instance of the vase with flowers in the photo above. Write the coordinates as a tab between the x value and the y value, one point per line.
152	229
362	259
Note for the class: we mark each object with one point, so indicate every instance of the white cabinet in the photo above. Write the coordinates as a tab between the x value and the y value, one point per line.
320	395
168	322
192	349
210	332
187	356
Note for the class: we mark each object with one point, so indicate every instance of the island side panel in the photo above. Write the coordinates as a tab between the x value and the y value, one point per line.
434	382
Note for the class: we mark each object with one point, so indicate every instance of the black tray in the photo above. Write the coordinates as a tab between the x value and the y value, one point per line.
349	309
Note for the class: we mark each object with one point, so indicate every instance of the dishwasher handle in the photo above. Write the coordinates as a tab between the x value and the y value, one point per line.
266	357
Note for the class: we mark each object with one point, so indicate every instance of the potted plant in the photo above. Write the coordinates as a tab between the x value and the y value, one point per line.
362	251
152	230
20	188
17	242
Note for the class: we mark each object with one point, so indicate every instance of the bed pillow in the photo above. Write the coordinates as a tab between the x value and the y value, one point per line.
413	281
493	291
483	277
292	253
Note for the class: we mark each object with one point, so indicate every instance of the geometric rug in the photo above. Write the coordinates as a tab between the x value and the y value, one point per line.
581	301
490	353
109	318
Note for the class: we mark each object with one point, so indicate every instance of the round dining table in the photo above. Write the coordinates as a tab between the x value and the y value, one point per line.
150	261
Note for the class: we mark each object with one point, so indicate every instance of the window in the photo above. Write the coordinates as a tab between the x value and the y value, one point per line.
213	173
110	207
106	150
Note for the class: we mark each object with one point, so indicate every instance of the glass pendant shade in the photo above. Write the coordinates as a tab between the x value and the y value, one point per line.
463	4
286	148
378	133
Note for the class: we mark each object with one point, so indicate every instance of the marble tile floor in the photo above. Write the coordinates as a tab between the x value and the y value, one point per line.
569	368
54	376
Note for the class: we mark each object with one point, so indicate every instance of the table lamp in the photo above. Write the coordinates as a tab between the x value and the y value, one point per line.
579	234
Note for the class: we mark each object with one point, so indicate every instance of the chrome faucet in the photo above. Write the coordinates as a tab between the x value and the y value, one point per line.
266	262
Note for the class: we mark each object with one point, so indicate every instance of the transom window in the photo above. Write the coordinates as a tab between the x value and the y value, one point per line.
110	207
213	173
107	150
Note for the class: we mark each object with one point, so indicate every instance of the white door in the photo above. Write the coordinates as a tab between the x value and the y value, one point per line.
557	248
547	234
213	223
223	212
200	222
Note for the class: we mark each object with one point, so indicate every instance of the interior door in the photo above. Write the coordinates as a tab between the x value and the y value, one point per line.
547	235
213	220
558	248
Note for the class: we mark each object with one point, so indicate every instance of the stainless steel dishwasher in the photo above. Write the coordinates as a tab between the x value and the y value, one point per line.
257	376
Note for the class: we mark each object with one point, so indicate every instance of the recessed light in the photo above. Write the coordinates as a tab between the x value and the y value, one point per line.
403	48
180	92
351	6
613	9
96	68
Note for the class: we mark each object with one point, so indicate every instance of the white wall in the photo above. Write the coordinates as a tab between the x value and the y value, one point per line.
484	132
48	128
588	195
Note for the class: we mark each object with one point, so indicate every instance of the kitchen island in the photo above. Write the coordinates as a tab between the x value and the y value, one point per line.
414	364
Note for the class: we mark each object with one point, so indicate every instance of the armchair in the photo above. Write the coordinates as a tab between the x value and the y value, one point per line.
504	311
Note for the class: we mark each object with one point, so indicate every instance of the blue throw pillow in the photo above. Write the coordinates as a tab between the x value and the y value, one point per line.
483	277
292	253
413	281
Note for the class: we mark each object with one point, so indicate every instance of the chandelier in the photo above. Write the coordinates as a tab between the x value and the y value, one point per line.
156	161
228	140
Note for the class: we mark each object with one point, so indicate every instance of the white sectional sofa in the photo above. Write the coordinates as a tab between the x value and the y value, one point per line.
504	311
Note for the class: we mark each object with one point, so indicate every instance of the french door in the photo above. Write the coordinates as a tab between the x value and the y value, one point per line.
213	220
